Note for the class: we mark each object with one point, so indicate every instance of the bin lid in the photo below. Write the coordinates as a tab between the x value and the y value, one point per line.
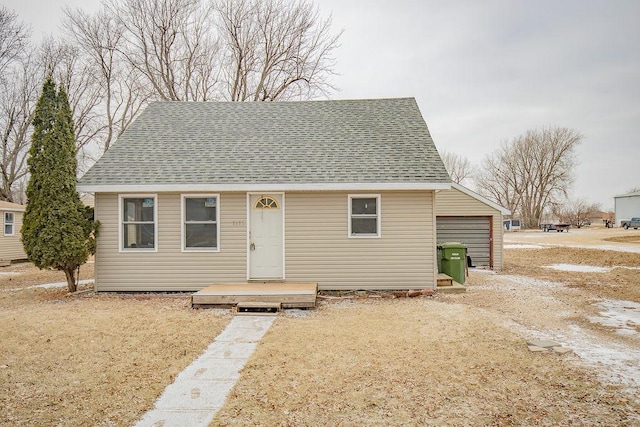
452	245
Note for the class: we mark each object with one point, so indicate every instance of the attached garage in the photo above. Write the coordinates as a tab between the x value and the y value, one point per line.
466	217
473	231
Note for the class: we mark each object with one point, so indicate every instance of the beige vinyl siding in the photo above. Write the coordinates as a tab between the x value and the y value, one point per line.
170	269
454	202
318	248
11	246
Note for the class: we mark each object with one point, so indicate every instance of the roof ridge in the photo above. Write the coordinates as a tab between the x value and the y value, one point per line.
404	98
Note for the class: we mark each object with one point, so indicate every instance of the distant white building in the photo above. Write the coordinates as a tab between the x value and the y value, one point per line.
627	206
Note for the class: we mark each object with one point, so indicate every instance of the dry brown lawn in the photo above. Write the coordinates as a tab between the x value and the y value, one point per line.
619	283
103	359
90	359
452	360
412	362
634	238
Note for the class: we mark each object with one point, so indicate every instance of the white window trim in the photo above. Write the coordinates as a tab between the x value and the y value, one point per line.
121	247
378	215
183	212
13	224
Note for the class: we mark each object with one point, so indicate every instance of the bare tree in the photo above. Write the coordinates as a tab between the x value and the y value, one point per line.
459	167
275	49
133	51
18	94
171	44
66	63
497	179
99	36
532	172
18	97
14	37
576	212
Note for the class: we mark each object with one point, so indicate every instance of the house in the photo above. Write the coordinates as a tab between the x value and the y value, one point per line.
601	217
87	199
627	206
10	244
467	217
338	193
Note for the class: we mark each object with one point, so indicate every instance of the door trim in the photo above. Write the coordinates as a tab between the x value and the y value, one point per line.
248	231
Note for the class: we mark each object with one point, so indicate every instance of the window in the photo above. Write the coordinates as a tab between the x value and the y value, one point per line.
8	223
200	222
364	215
139	229
266	203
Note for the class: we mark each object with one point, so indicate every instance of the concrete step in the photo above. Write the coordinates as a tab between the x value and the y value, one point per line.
257	307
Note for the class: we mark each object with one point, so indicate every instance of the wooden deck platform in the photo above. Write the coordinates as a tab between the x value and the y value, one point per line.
444	280
448	286
288	295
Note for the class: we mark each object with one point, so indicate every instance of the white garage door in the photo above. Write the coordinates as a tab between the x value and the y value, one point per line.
475	232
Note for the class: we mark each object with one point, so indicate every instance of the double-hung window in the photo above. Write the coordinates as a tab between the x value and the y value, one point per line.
364	215
200	219
139	228
8	223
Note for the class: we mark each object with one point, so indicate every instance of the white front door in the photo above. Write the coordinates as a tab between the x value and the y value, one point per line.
265	237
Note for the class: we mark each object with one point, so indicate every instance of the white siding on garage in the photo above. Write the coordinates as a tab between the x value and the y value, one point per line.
456	203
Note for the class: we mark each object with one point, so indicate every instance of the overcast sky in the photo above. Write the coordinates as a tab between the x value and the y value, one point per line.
484	72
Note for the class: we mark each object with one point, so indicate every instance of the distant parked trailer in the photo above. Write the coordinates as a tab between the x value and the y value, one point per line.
555	227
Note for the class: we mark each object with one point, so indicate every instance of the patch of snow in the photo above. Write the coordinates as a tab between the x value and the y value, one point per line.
622	315
613	363
59	284
621	362
530	282
523	246
579	268
481	271
628	268
518	237
9	273
515	283
50	285
296	312
619	248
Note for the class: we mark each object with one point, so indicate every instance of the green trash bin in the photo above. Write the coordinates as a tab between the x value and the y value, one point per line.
453	260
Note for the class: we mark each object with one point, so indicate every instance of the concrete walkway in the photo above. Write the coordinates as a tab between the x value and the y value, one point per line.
200	390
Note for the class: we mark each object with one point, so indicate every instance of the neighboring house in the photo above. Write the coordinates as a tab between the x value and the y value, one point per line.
465	216
600	217
627	206
10	244
339	193
87	199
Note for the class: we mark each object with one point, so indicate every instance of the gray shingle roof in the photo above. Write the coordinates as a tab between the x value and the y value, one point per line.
310	142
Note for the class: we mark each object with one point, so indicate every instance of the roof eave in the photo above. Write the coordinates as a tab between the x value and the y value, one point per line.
358	186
